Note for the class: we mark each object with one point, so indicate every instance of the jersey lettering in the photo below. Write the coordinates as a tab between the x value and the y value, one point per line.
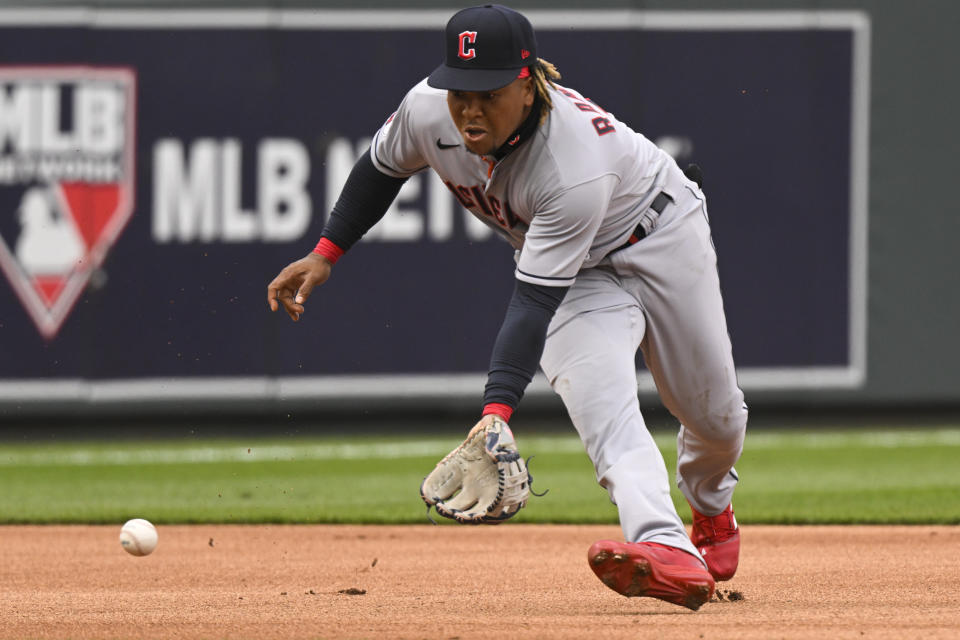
497	211
474	198
484	204
599	108
462	194
465	194
467	37
603	126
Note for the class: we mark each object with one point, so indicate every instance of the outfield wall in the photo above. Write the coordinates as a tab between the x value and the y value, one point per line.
158	165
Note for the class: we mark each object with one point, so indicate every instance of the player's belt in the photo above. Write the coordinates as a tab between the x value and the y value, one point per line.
647	221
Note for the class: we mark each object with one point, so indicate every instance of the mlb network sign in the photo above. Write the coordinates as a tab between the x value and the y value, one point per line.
67	155
158	168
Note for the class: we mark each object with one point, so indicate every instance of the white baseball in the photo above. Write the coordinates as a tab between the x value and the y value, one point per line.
138	537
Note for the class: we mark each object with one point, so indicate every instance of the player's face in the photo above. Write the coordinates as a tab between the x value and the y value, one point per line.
486	118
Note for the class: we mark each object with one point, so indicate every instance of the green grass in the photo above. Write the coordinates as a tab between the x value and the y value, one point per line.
891	476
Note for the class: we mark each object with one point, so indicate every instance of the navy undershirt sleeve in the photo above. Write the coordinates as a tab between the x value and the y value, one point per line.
365	198
519	345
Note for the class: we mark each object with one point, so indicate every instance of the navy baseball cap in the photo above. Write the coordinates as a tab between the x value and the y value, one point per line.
485	48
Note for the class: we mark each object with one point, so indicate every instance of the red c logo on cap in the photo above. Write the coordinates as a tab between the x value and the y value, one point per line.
467	37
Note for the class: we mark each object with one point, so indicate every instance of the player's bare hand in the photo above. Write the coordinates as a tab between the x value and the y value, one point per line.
292	286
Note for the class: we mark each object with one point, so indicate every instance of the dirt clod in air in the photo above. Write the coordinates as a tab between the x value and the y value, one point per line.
729	596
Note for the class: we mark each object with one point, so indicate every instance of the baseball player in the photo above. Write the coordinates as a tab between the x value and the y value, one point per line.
613	253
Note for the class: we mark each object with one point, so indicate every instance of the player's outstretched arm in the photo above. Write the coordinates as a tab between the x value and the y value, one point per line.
365	198
293	285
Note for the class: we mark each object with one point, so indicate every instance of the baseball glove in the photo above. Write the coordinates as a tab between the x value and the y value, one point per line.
483	481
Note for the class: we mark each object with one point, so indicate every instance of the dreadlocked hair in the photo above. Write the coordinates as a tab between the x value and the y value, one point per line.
544	73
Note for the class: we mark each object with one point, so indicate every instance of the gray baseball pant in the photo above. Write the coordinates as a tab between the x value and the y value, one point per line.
661	295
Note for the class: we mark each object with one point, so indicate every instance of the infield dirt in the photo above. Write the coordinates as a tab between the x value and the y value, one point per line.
445	582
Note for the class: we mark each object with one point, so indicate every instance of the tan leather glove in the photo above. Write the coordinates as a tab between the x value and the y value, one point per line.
482	481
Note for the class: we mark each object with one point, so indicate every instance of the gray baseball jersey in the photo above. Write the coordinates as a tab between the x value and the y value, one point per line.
565	198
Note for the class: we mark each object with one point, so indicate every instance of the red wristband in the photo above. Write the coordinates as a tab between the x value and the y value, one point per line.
502	410
328	250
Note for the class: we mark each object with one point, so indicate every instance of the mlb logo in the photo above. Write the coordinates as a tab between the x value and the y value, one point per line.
67	138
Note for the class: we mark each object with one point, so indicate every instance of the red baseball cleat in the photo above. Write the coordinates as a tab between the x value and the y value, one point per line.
718	540
638	569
